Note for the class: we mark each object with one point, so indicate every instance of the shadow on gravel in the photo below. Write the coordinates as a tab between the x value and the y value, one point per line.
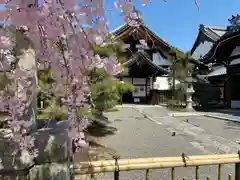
233	112
232	125
96	151
100	129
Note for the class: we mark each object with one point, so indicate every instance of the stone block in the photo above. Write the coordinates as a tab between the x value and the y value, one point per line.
53	171
15	175
53	145
9	162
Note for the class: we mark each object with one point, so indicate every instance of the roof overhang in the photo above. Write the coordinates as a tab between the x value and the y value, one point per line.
126	30
219	71
142	56
209	33
223	48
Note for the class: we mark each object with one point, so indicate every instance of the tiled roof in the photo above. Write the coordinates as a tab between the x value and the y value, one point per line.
232	33
144	57
211	32
126	26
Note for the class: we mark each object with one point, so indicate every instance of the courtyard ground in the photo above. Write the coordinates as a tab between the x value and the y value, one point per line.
146	131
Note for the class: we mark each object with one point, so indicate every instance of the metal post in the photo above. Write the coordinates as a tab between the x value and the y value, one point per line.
116	172
237	171
237	168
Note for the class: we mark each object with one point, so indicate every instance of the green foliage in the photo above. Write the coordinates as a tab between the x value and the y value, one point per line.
177	108
104	95
181	69
109	49
105	92
52	102
45	82
124	87
54	112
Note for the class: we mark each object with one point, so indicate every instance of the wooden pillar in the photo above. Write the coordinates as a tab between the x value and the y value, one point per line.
224	90
228	84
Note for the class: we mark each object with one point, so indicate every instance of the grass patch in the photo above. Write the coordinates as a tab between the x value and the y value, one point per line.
42	116
180	109
112	110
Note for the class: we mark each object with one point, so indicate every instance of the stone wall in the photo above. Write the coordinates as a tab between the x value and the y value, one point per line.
52	162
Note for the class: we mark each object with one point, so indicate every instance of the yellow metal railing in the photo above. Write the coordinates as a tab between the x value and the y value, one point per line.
118	165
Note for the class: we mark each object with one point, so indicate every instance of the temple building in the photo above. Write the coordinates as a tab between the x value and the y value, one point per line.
225	52
147	58
207	36
214	73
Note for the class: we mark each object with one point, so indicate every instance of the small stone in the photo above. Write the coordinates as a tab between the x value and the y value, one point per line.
173	133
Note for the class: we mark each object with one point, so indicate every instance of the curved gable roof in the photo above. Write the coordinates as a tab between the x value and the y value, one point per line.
125	28
211	33
143	56
230	35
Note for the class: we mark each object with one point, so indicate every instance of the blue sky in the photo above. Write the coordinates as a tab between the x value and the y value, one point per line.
177	21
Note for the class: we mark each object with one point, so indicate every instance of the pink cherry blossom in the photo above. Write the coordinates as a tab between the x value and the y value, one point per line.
62	34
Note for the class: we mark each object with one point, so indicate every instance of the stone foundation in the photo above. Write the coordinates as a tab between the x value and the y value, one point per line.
53	160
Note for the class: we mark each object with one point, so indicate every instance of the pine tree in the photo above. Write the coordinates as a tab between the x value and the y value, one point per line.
181	69
106	92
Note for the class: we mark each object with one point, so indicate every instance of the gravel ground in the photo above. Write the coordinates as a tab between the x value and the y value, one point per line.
139	136
226	129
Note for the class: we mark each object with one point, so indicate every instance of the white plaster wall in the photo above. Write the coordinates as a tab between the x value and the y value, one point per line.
162	83
139	81
159	60
202	49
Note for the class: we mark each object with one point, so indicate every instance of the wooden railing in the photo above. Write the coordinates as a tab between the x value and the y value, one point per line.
146	164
